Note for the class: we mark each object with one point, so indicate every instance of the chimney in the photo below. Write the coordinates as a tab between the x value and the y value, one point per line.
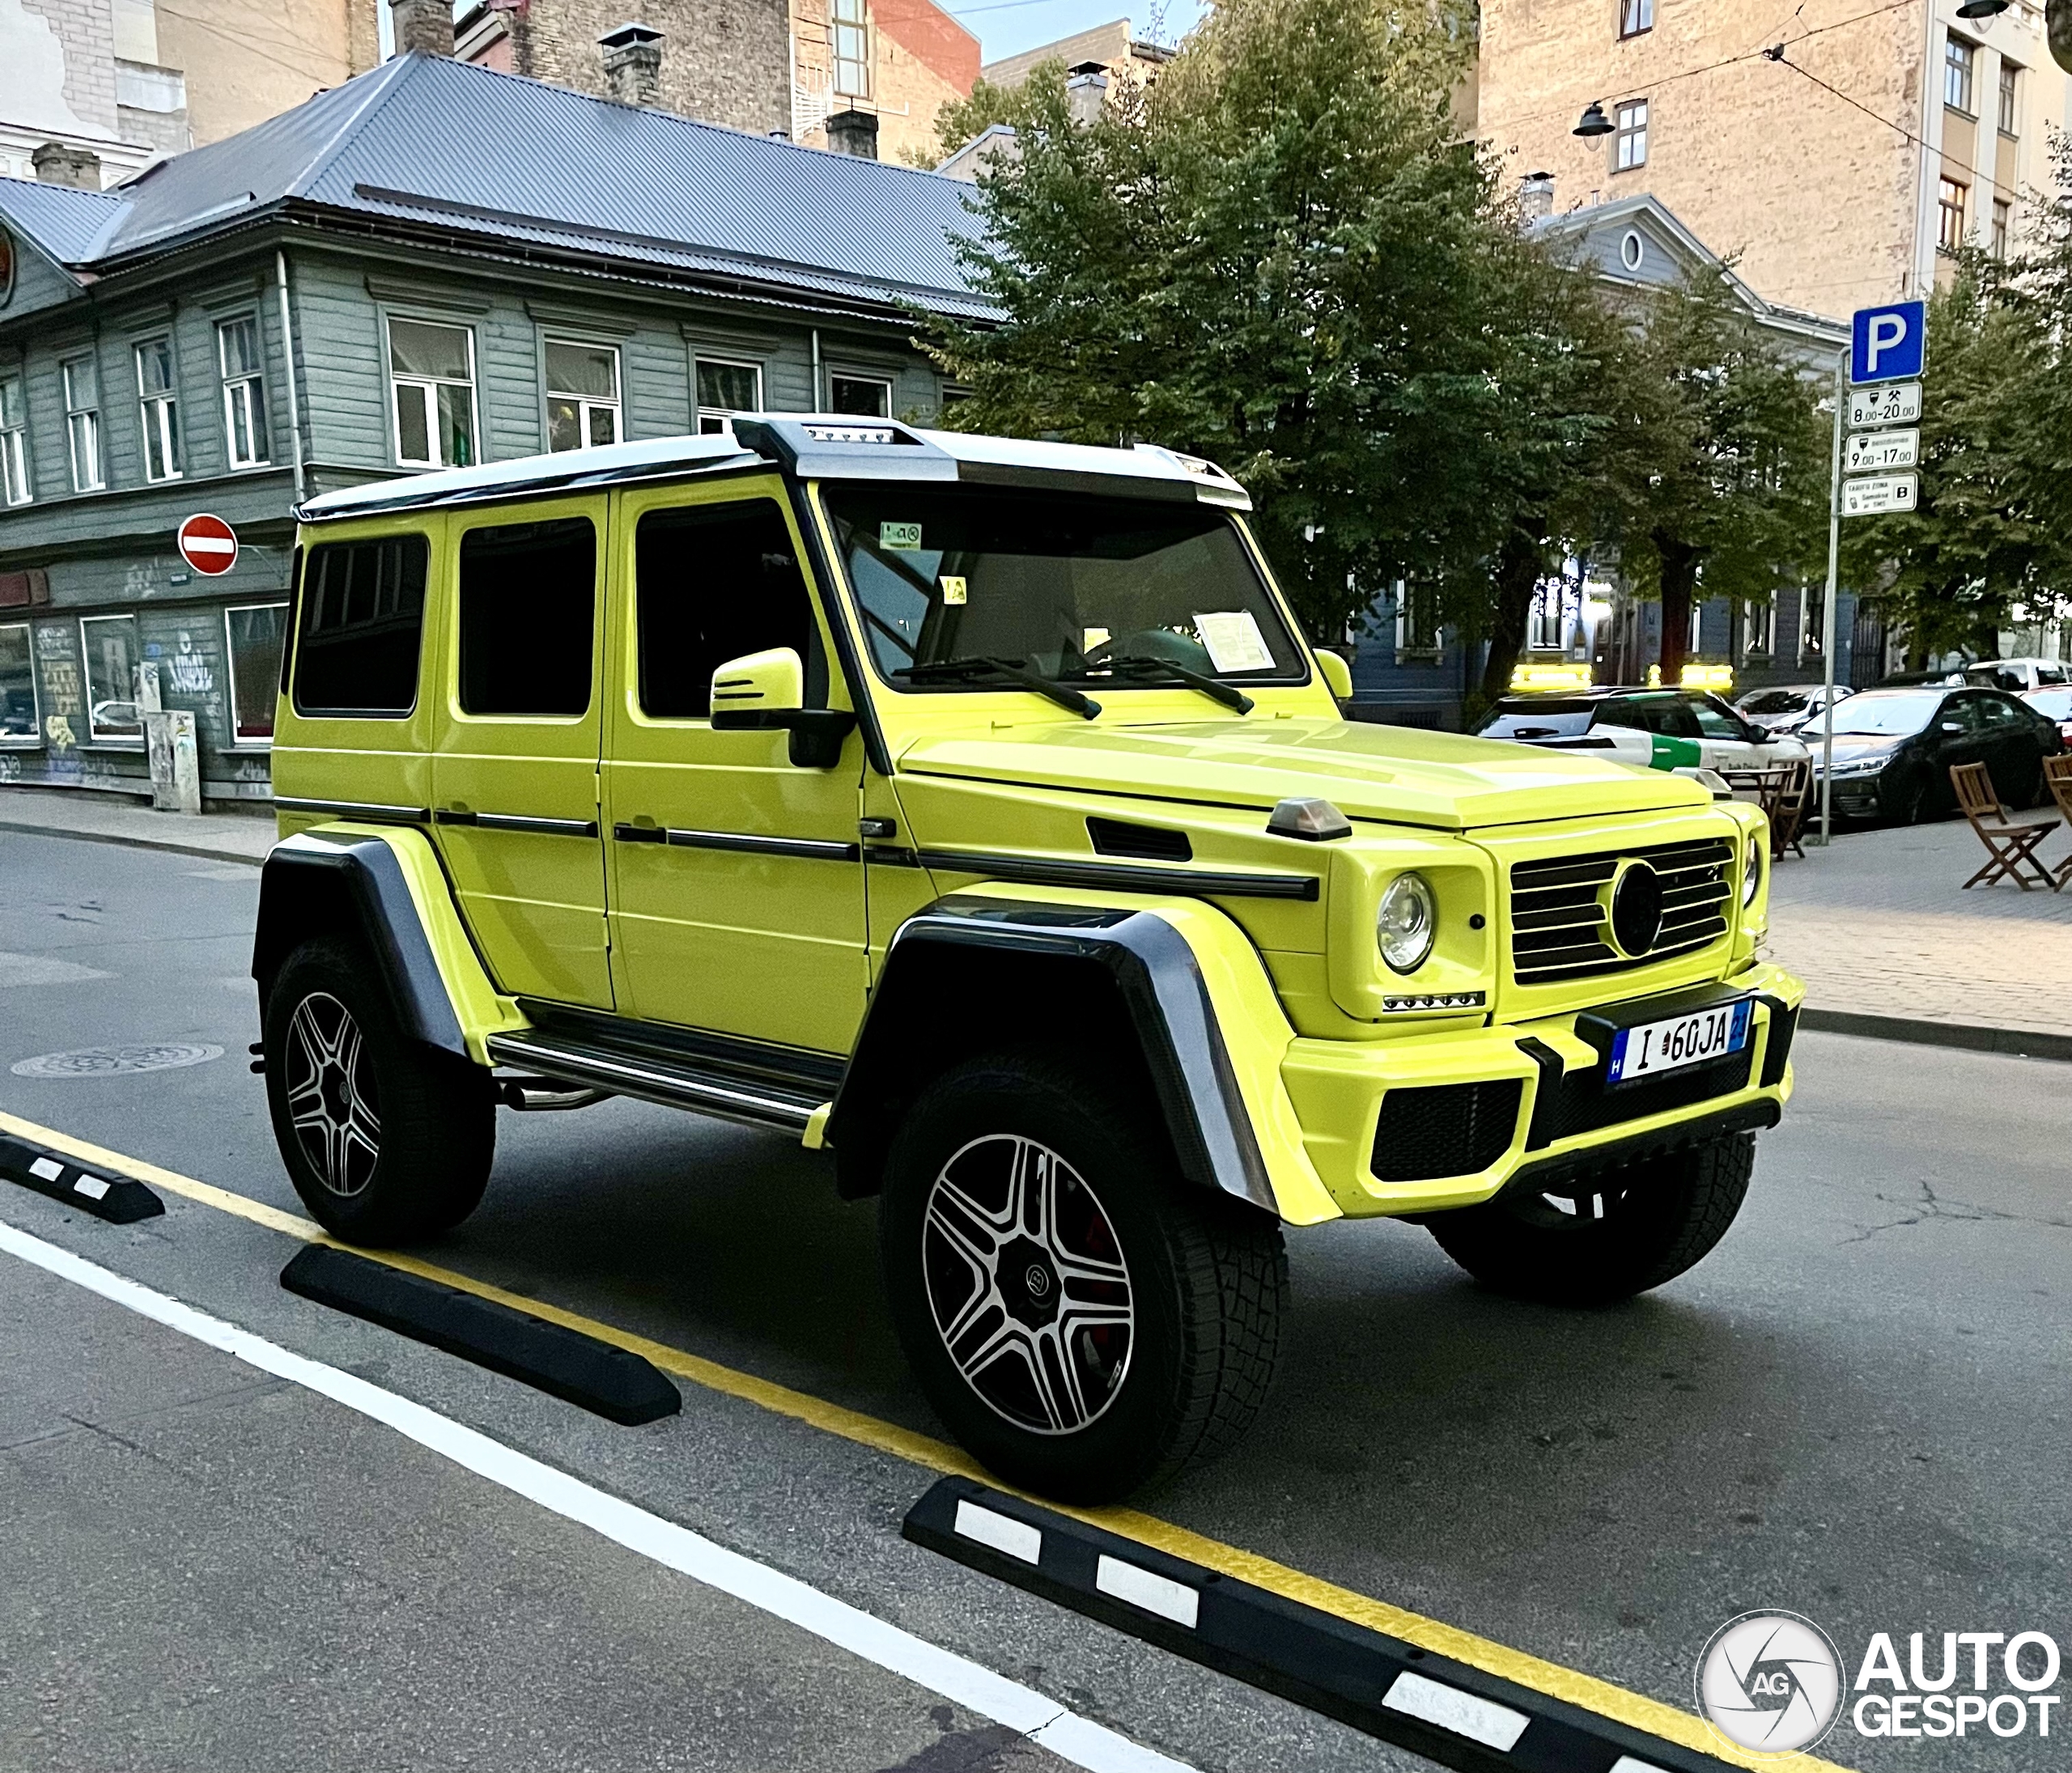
633	64
853	132
425	26
57	163
1536	194
1086	91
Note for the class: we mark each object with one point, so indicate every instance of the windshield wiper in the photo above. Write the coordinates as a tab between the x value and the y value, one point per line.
955	670
1140	666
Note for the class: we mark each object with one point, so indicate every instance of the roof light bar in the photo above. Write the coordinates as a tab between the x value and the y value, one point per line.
852	434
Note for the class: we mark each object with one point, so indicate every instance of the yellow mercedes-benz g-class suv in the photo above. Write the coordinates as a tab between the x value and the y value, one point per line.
974	810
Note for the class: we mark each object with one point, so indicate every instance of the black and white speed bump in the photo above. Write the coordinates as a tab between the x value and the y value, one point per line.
1446	1711
121	1200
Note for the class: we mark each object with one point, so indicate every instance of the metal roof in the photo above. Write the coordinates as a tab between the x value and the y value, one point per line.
812	446
464	150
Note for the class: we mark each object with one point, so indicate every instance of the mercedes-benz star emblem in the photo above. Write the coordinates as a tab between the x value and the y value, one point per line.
1636	909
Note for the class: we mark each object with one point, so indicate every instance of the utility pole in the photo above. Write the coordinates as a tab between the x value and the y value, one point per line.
1828	604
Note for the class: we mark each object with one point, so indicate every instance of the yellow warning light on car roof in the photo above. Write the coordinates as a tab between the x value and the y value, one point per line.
1526	678
1696	677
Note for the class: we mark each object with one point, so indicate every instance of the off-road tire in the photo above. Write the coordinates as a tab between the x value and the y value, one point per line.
434	1114
1661	1218
1207	1278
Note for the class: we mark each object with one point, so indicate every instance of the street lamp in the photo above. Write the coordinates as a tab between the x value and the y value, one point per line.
1981	9
1593	122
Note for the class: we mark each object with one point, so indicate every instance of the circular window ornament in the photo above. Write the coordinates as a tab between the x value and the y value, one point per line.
117	1061
1633	249
6	267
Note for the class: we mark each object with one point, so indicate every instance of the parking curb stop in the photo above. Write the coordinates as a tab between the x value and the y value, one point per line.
1446	1711
121	1200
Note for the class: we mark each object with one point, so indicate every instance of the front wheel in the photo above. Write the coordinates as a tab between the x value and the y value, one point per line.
1604	1237
1082	1319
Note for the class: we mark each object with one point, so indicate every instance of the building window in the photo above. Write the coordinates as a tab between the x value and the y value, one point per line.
1636	16
109	644
866	396
1759	627
1812	621
14	488
253	638
244	395
1958	58
1630	143
724	389
852	48
2010	79
83	421
1417	620
2002	212
157	406
432	368
582	395
19	724
1543	625
1950	203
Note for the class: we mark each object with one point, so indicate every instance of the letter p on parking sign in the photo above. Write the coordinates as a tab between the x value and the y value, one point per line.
1885	344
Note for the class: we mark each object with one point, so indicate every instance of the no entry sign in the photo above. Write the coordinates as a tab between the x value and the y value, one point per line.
208	545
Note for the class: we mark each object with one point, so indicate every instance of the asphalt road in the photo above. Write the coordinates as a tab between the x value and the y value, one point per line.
1854	1410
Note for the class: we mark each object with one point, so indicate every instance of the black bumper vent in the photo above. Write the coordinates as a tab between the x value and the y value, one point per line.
1447	1130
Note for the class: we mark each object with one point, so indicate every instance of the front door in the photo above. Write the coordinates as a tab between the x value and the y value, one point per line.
737	889
515	755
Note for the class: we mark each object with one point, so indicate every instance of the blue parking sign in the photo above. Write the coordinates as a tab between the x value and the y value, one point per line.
1885	344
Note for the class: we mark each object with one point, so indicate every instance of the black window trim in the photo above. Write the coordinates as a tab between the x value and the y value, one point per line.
294	650
599	591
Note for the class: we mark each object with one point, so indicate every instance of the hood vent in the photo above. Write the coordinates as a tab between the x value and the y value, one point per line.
1144	842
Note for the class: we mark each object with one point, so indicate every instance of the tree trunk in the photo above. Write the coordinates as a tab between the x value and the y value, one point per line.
1518	575
1679	578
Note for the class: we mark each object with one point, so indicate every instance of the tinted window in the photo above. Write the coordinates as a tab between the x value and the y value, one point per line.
1664	714
528	605
1968	711
362	616
715	581
1555	719
2000	714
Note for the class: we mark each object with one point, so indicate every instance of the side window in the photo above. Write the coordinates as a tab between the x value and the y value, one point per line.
1665	715
714	582
1997	713
1713	721
528	617
1966	712
362	618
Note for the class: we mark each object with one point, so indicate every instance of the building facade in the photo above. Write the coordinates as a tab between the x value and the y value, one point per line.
355	290
1838	173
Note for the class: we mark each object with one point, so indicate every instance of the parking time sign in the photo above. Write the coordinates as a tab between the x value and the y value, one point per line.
1885	343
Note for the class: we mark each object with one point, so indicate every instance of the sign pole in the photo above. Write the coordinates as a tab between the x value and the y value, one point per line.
1828	620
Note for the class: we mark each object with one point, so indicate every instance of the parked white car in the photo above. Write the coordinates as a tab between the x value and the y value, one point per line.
1787	707
1658	729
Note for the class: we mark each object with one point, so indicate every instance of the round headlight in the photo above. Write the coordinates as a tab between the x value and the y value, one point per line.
1751	869
1406	923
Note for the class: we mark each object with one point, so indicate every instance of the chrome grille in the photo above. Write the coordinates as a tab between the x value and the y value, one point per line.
1558	927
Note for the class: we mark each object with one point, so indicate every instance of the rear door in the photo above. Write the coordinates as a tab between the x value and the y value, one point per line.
1956	734
2014	750
515	750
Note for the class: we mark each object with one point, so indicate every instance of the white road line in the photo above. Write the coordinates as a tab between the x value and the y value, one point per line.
956	1678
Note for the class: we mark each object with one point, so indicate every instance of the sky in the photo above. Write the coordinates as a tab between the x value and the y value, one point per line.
1006	28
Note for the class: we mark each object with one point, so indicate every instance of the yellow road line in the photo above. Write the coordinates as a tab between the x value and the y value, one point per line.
1632	1709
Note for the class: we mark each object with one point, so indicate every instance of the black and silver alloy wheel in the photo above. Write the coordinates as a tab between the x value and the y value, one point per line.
333	1099
1027	1284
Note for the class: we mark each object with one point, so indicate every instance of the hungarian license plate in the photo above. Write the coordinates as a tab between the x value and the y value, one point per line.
1669	1046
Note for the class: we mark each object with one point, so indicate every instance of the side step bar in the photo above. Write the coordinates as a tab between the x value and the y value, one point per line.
671	1081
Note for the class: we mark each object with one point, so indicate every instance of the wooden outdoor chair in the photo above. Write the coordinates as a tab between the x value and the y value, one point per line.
2057	777
2010	838
1793	801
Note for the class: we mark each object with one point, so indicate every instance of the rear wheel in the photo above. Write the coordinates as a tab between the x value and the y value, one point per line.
387	1140
1082	1319
1605	1237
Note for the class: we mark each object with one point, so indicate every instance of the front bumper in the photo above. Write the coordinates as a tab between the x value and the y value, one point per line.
1448	1120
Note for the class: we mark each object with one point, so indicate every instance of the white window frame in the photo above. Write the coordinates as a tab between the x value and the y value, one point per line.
132	741
1548	616
238	392
1409	643
585	405
426	387
83	424
32	739
1759	628
238	741
722	417
158	411
849	46
884	381
1629	136
16	487
1812	613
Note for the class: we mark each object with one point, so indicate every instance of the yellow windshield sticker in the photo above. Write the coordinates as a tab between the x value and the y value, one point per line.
953	588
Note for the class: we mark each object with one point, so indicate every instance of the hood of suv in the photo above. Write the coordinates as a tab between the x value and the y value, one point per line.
1401	776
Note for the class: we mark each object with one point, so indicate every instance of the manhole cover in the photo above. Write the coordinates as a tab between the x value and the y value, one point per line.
117	1061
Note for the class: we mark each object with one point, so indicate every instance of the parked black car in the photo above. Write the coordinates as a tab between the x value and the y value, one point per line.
1894	748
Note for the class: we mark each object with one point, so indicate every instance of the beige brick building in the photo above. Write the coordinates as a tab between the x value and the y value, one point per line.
1832	199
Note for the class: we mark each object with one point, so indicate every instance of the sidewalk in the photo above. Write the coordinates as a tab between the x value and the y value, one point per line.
1878	926
108	818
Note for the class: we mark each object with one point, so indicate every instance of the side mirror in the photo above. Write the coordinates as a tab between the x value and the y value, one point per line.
1953	726
1338	675
765	692
1761	735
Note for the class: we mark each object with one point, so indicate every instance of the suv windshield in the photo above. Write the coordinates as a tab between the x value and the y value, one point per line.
1886	715
1060	584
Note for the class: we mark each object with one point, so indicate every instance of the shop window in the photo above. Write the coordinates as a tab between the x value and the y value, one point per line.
528	617
109	644
19	721
362	618
253	638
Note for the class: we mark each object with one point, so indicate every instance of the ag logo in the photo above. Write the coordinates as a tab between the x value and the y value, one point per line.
1770	1682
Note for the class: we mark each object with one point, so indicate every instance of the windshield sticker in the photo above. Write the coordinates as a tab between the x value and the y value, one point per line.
1232	640
903	538
1092	637
952	587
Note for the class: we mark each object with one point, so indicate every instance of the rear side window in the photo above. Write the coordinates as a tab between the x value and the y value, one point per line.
713	582
1539	720
362	618
528	617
